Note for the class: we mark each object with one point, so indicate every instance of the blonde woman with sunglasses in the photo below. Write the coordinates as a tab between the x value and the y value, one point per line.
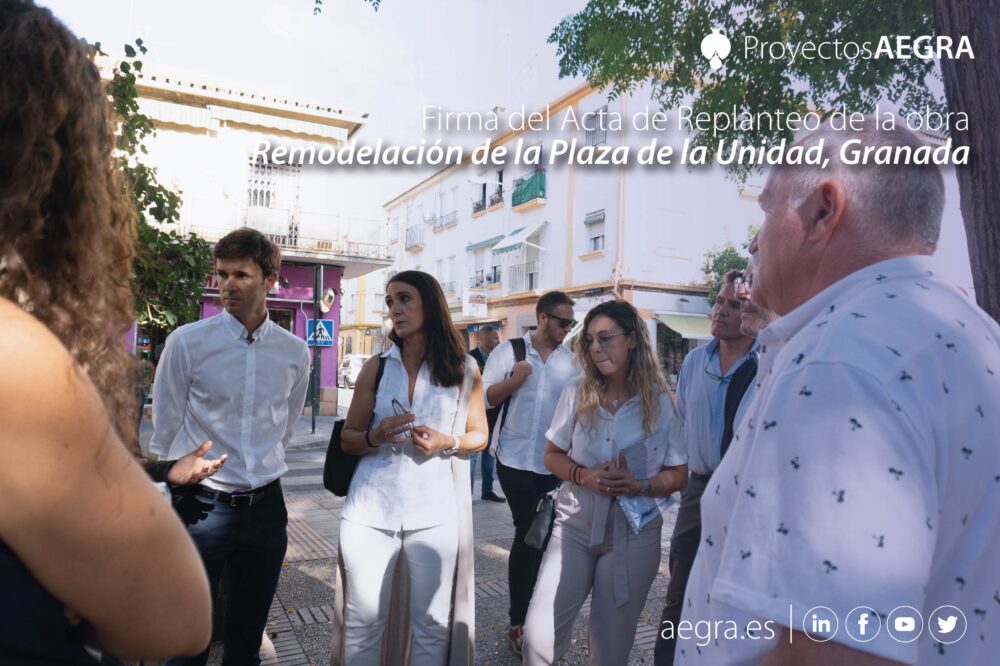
614	435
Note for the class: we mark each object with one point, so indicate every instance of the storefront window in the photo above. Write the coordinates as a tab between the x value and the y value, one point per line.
283	318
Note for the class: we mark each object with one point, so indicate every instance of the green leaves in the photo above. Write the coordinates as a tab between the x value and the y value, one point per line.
718	262
623	44
169	270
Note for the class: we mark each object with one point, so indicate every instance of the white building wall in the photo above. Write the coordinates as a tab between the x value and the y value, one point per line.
672	217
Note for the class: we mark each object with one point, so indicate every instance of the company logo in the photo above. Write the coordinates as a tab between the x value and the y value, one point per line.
904	624
715	47
863	624
888	47
947	624
820	624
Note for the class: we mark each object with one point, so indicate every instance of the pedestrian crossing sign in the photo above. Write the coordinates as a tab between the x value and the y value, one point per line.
321	336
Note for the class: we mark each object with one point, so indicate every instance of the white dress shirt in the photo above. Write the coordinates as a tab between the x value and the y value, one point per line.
865	472
521	443
244	397
399	487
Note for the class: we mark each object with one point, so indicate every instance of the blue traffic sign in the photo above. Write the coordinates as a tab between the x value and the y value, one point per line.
319	337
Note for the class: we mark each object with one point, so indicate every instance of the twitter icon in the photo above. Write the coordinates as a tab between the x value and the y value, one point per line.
947	624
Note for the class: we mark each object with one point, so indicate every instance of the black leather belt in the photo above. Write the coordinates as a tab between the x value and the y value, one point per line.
238	499
704	478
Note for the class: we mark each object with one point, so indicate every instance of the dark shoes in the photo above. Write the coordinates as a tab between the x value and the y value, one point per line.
493	497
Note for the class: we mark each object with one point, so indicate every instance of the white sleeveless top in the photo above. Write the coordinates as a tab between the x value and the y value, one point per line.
399	487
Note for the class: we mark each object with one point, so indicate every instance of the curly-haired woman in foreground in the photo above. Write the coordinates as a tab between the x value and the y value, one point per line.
89	551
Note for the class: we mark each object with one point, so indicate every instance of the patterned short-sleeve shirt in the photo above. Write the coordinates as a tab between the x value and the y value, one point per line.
866	472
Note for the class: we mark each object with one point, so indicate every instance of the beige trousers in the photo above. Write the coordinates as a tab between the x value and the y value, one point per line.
572	568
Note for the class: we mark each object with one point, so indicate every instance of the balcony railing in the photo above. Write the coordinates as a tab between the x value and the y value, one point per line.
342	248
485	277
524	277
415	237
445	221
478	206
449	287
529	187
496	198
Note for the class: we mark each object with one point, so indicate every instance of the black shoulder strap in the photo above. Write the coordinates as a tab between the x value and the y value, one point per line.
520	353
378	375
519	349
378	380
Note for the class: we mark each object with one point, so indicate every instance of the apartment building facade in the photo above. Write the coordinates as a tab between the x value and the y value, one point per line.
512	233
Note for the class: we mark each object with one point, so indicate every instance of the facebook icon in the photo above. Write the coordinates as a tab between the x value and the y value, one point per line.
863	624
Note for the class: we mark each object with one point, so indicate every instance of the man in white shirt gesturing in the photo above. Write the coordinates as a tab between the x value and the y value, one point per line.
533	386
238	380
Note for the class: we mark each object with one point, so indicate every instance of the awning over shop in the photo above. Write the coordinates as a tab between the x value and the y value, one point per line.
692	327
472	247
517	238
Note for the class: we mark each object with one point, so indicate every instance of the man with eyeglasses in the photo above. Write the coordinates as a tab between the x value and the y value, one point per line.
753	320
525	377
701	401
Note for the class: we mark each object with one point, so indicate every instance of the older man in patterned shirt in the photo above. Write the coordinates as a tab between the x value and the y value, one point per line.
855	518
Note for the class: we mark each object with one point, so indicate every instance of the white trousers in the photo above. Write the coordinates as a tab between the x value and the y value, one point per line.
370	556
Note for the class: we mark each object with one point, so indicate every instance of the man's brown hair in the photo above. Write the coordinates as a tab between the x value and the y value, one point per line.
247	243
551	300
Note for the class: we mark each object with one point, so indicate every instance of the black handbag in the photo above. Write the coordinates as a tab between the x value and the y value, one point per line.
338	470
541	522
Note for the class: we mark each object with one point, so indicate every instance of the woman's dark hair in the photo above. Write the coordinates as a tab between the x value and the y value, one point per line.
444	346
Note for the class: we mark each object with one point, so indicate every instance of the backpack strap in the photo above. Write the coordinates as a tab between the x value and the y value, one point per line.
520	353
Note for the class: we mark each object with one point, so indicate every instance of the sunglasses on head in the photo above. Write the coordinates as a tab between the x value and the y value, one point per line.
563	322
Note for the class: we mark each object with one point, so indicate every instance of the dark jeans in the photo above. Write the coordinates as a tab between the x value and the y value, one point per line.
484	460
523	489
683	549
251	542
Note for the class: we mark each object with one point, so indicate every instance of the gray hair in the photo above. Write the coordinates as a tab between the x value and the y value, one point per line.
896	201
487	328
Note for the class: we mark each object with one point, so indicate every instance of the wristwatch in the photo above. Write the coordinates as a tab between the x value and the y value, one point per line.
646	487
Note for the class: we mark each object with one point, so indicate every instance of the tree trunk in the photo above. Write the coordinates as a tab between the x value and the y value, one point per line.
973	87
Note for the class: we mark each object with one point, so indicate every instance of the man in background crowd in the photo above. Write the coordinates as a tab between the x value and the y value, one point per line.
528	374
704	379
489	338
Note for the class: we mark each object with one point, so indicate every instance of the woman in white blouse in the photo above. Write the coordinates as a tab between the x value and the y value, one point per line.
406	533
615	441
